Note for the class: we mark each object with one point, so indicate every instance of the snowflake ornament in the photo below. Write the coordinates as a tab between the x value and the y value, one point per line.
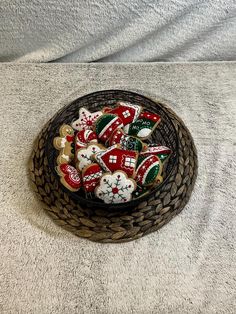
115	188
86	119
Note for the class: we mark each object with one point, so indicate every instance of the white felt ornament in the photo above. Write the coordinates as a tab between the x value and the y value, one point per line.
115	188
84	155
86	119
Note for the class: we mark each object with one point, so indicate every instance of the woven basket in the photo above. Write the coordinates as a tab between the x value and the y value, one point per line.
95	220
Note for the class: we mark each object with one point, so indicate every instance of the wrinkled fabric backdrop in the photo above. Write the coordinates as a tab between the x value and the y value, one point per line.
110	30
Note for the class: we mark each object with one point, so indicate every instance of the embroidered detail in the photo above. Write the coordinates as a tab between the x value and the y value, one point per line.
115	188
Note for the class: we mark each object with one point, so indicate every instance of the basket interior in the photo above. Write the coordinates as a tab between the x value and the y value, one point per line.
164	134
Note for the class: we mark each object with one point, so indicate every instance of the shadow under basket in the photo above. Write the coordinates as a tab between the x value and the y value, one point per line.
101	222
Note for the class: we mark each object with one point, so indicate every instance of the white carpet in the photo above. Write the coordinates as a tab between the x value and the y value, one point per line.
189	266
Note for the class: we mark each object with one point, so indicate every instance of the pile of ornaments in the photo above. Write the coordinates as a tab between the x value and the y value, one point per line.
104	153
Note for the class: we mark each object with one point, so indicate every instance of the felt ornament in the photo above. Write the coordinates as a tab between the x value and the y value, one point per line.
127	142
148	170
84	155
69	177
162	152
115	188
127	112
91	175
114	158
144	125
86	119
65	144
106	125
83	137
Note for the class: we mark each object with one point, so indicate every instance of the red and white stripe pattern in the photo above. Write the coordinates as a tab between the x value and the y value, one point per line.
144	168
84	137
156	150
106	132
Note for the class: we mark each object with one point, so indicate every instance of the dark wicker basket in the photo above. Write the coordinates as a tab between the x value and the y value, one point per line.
116	223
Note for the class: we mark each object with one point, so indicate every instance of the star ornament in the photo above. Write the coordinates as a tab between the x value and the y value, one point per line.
86	119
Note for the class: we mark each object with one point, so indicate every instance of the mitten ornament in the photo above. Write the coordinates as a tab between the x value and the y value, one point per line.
69	177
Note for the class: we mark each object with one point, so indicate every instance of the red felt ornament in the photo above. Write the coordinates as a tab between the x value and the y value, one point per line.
106	125
84	137
115	158
70	177
91	176
160	151
126	111
148	170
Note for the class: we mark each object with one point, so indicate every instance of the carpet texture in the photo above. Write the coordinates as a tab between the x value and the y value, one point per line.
189	266
111	30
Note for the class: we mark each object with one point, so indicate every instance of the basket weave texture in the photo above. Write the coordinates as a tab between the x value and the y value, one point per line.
119	223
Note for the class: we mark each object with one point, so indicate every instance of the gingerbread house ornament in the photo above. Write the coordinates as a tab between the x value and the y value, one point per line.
114	158
127	112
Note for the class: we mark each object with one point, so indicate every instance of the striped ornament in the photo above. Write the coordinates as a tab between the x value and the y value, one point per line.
106	125
148	170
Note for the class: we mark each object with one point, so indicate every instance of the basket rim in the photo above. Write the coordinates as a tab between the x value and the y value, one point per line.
95	203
